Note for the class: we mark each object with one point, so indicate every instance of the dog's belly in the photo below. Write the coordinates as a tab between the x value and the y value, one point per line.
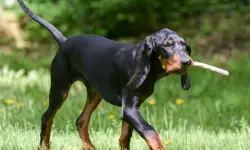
110	96
109	89
102	84
102	80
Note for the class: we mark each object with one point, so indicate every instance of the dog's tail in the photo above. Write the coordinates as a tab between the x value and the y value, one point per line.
60	39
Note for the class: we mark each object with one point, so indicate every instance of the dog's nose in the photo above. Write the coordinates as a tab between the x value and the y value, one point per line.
186	62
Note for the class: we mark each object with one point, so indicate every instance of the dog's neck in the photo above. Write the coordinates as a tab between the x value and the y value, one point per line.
156	66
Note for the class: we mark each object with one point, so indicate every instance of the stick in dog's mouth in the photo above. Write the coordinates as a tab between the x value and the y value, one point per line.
209	67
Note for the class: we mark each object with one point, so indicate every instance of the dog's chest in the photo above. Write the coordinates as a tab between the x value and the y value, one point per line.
147	88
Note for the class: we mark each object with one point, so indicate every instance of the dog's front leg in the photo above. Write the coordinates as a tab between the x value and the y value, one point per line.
131	114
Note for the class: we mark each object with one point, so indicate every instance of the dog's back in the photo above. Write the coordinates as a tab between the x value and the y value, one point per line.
86	53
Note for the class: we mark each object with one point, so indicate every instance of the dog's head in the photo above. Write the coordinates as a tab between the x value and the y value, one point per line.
172	52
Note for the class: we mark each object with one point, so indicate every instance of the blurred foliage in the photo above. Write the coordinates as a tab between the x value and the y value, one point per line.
18	60
215	26
118	18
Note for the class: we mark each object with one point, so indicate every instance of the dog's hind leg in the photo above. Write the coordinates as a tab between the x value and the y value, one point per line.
93	99
126	134
60	85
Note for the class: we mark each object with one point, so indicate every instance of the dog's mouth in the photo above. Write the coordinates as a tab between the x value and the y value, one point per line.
175	72
169	69
174	68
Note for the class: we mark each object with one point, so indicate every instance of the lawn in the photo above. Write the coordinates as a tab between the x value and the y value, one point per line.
213	114
15	138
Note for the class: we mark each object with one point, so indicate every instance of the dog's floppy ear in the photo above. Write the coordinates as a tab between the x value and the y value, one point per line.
150	44
185	82
139	73
188	49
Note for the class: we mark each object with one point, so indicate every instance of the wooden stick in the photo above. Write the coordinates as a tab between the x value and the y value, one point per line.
211	68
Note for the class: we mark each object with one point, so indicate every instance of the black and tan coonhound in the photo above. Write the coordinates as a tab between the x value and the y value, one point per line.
122	74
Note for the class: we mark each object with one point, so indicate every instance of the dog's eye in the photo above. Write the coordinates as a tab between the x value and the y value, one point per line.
167	45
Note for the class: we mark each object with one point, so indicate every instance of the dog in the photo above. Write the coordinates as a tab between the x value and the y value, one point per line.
122	74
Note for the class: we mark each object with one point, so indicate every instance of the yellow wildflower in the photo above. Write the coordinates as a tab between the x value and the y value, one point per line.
19	105
45	103
80	110
10	101
152	101
111	116
167	142
158	121
179	101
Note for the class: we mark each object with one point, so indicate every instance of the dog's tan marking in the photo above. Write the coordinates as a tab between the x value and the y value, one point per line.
182	41
65	95
171	64
83	122
170	42
160	57
154	142
124	140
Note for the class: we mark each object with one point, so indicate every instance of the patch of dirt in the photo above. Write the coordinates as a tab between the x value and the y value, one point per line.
10	30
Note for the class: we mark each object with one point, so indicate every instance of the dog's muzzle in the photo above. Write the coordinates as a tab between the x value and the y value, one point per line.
178	63
185	60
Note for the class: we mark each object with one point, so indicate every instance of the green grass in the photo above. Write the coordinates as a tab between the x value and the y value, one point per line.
214	115
191	139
